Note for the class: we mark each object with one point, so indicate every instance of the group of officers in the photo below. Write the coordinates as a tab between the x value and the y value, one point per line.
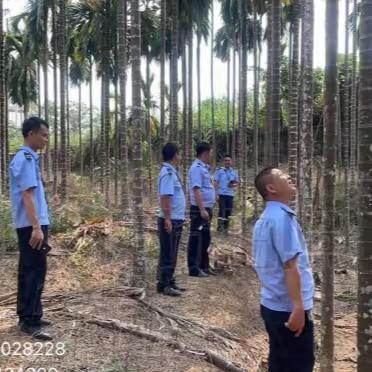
280	254
204	191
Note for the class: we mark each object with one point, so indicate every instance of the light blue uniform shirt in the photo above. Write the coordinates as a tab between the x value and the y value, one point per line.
278	238
224	176
169	183
24	174
199	176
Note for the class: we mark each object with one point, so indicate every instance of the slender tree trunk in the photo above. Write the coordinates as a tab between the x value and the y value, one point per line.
198	84
139	269
275	103
190	121
330	110
233	137
149	134
346	133
214	145
268	123
243	112
55	96
38	90
46	92
123	135
293	100
106	53
228	106
63	69
91	134
353	122
163	27
256	95
102	138
365	194
106	142
307	120
3	154
116	140
174	73
68	132
80	134
184	110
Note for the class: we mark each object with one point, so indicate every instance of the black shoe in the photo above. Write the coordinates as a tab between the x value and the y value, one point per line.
159	288
211	272
44	323
177	287
36	332
199	274
169	291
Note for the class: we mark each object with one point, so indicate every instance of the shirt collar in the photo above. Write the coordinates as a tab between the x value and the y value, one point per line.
169	165
32	152
201	162
278	204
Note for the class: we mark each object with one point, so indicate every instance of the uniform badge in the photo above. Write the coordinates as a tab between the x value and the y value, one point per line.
28	156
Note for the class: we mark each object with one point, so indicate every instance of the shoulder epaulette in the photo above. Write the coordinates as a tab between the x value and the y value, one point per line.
27	155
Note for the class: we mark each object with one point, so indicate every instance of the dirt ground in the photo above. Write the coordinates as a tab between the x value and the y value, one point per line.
87	277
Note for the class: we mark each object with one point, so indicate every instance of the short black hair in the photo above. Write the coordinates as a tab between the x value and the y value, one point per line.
202	147
33	124
169	151
227	156
261	181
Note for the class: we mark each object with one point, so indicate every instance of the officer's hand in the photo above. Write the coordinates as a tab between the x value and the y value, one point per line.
204	214
37	238
168	225
296	321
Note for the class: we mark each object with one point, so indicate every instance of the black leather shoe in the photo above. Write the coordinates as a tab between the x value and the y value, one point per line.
211	272
159	288
177	287
199	274
36	332
44	323
169	291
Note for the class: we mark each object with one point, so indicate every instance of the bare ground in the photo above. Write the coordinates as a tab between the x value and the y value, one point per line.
84	266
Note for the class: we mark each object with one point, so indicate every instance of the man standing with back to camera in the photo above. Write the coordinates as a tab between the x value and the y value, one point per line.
287	288
31	220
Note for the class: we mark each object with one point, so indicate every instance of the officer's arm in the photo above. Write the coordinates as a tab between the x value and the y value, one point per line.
199	198
293	281
289	248
165	205
28	201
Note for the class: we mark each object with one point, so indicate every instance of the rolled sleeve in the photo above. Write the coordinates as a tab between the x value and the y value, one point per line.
25	175
285	238
196	178
166	185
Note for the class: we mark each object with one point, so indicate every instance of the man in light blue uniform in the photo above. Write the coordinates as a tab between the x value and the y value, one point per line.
226	179
282	264
171	218
31	220
202	198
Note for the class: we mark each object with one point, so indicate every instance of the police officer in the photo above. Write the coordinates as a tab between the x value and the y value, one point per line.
31	220
226	179
171	218
287	287
202	198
